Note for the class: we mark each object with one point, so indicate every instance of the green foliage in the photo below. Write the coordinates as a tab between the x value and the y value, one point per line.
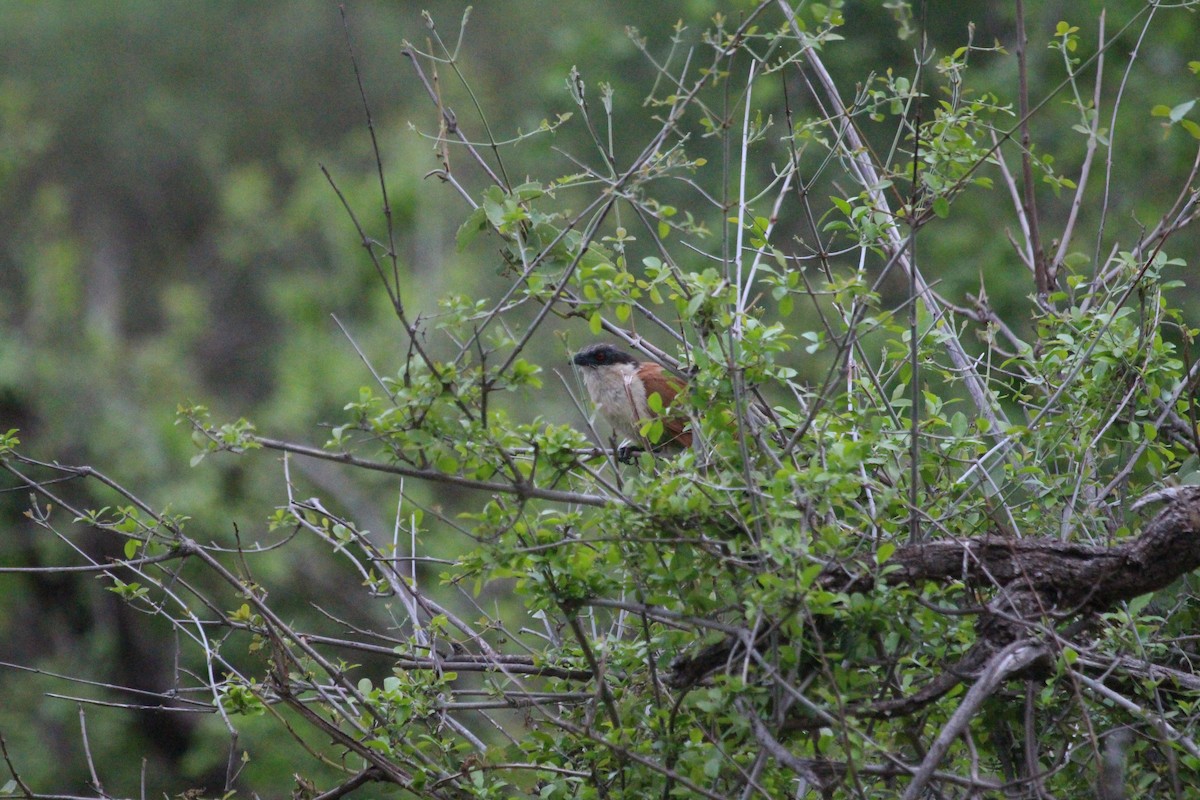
523	622
241	700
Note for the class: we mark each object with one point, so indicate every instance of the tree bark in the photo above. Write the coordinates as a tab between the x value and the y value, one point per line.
1033	582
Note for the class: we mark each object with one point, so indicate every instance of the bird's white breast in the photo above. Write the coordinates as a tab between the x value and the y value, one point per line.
619	396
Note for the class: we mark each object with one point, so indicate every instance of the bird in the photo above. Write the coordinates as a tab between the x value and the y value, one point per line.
619	386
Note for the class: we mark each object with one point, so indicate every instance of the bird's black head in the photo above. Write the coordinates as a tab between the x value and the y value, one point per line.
602	355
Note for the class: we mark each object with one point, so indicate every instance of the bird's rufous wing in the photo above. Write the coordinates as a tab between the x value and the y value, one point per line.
666	386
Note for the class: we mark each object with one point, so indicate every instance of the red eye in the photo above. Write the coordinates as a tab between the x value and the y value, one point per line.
600	357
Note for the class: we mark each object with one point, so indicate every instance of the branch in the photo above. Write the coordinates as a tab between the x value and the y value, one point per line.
523	490
1008	661
1043	279
366	776
867	176
1032	579
800	766
13	770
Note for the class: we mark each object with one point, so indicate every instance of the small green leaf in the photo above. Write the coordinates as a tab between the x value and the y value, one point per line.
1076	260
652	431
529	191
470	229
958	424
941	207
1180	111
1137	604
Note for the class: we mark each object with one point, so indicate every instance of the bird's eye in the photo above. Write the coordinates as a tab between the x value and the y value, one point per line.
601	357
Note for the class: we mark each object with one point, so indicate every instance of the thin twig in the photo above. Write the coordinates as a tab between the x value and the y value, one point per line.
87	753
518	489
12	770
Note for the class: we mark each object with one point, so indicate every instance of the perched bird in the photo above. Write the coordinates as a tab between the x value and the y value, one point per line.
619	386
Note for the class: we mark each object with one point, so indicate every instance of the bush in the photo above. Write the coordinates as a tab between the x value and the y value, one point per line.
901	556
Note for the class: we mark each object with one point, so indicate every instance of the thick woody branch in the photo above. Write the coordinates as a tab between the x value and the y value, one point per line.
1033	580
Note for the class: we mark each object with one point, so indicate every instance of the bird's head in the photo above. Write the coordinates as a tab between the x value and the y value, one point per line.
602	355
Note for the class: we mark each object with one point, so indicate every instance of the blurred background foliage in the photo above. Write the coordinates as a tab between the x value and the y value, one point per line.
169	237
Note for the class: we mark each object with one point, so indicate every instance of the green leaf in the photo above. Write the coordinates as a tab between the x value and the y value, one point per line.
958	424
596	323
941	207
1137	604
528	191
652	431
470	229
1180	111
131	547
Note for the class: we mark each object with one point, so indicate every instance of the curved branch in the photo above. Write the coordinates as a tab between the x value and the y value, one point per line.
1012	659
1033	579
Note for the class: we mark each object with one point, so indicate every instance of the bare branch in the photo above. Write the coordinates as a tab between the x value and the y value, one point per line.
1010	660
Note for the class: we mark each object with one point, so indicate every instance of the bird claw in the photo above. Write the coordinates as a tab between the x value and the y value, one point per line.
628	453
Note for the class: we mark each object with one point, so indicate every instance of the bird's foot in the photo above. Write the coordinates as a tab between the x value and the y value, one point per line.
627	453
